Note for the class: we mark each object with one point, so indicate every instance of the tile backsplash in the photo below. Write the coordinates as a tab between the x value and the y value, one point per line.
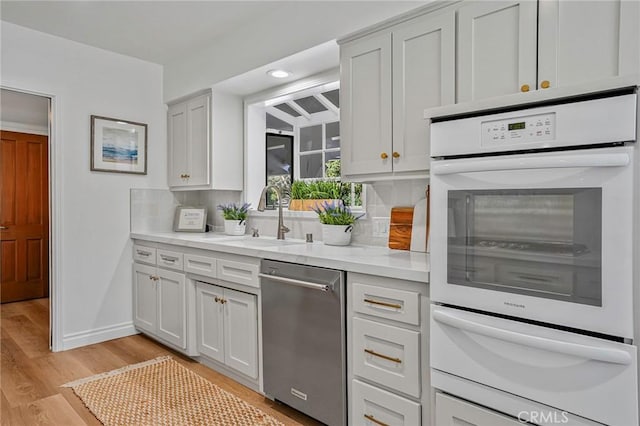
153	210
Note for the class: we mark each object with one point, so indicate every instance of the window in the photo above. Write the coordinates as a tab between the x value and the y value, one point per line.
300	142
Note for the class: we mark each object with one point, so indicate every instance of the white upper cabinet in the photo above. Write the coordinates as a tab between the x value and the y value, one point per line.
205	142
518	46
386	81
582	41
496	48
423	77
365	105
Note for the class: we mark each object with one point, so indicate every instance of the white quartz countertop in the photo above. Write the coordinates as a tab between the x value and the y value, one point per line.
381	261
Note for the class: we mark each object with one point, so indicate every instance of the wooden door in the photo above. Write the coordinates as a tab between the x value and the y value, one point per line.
24	216
423	77
365	105
496	48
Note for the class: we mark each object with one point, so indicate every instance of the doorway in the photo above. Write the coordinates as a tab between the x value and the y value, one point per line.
24	192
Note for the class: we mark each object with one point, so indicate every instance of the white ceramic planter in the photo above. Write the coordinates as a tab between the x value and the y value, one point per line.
234	227
336	235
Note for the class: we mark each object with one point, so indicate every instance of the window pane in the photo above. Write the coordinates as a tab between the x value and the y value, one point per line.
311	138
289	110
310	104
276	124
333	135
279	154
333	96
332	164
311	166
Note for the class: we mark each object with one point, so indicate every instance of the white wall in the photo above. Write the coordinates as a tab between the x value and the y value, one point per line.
294	27
92	244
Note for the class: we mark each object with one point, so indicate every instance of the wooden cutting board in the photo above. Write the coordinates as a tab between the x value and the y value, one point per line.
400	224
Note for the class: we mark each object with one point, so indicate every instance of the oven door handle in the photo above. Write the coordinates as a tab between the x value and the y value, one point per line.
613	356
567	161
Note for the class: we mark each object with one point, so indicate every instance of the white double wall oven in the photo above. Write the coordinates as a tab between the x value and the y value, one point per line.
531	260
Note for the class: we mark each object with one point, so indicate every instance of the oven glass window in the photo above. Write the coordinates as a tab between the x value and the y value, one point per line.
539	242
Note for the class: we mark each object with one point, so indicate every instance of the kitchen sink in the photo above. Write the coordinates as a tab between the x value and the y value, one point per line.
263	242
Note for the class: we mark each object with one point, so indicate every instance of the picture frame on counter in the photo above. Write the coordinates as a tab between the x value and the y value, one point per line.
190	219
118	146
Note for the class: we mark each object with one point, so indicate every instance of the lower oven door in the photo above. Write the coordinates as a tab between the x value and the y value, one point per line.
543	236
589	377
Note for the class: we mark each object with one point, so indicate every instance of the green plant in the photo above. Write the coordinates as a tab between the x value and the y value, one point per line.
331	213
299	190
231	211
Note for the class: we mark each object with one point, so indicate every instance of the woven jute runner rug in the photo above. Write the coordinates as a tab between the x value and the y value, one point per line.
163	392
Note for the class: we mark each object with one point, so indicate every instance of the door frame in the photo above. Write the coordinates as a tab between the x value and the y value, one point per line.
55	218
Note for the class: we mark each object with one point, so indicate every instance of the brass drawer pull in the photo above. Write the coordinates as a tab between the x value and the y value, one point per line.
388	358
396	154
374	420
168	258
524	88
390	305
545	84
143	253
384	156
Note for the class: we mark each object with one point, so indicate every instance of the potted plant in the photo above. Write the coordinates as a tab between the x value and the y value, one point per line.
309	195
235	218
337	223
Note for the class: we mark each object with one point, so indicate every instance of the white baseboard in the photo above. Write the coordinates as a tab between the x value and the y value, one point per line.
98	335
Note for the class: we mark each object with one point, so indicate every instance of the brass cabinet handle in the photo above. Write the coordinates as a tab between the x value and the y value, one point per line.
376	302
524	88
396	154
154	277
374	420
545	84
388	358
384	156
217	299
4	227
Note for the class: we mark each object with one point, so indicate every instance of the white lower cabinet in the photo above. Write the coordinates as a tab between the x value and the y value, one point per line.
451	411
227	327
160	303
388	353
373	406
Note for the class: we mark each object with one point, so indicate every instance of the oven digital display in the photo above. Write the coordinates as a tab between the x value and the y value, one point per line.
517	126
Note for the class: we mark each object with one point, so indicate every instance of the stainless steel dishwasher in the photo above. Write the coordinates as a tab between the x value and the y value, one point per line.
303	339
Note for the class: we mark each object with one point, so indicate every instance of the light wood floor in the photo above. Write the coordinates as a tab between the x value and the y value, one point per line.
31	375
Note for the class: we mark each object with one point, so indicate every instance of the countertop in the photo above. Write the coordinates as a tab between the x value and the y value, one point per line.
373	260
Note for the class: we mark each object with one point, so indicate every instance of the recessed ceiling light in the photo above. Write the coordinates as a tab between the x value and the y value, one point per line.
278	73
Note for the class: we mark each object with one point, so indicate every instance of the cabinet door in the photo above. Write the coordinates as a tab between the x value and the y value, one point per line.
365	105
210	321
423	77
172	319
582	41
177	139
198	140
496	48
144	297
241	332
452	411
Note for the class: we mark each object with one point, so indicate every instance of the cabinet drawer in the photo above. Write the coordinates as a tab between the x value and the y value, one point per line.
144	254
387	355
375	407
398	305
170	259
452	411
201	265
238	272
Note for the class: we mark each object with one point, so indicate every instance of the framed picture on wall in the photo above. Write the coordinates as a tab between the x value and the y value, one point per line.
118	146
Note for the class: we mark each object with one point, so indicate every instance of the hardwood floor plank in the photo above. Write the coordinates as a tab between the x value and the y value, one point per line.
30	392
53	410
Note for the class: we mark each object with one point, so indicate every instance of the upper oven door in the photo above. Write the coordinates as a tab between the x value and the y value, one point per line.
540	236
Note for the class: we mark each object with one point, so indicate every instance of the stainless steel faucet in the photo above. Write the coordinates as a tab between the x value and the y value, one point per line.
263	204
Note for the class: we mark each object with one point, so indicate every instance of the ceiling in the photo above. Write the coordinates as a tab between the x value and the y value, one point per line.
155	31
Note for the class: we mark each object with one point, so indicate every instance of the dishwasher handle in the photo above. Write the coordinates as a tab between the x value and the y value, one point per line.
299	283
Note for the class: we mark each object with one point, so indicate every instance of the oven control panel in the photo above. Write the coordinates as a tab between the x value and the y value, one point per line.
525	129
